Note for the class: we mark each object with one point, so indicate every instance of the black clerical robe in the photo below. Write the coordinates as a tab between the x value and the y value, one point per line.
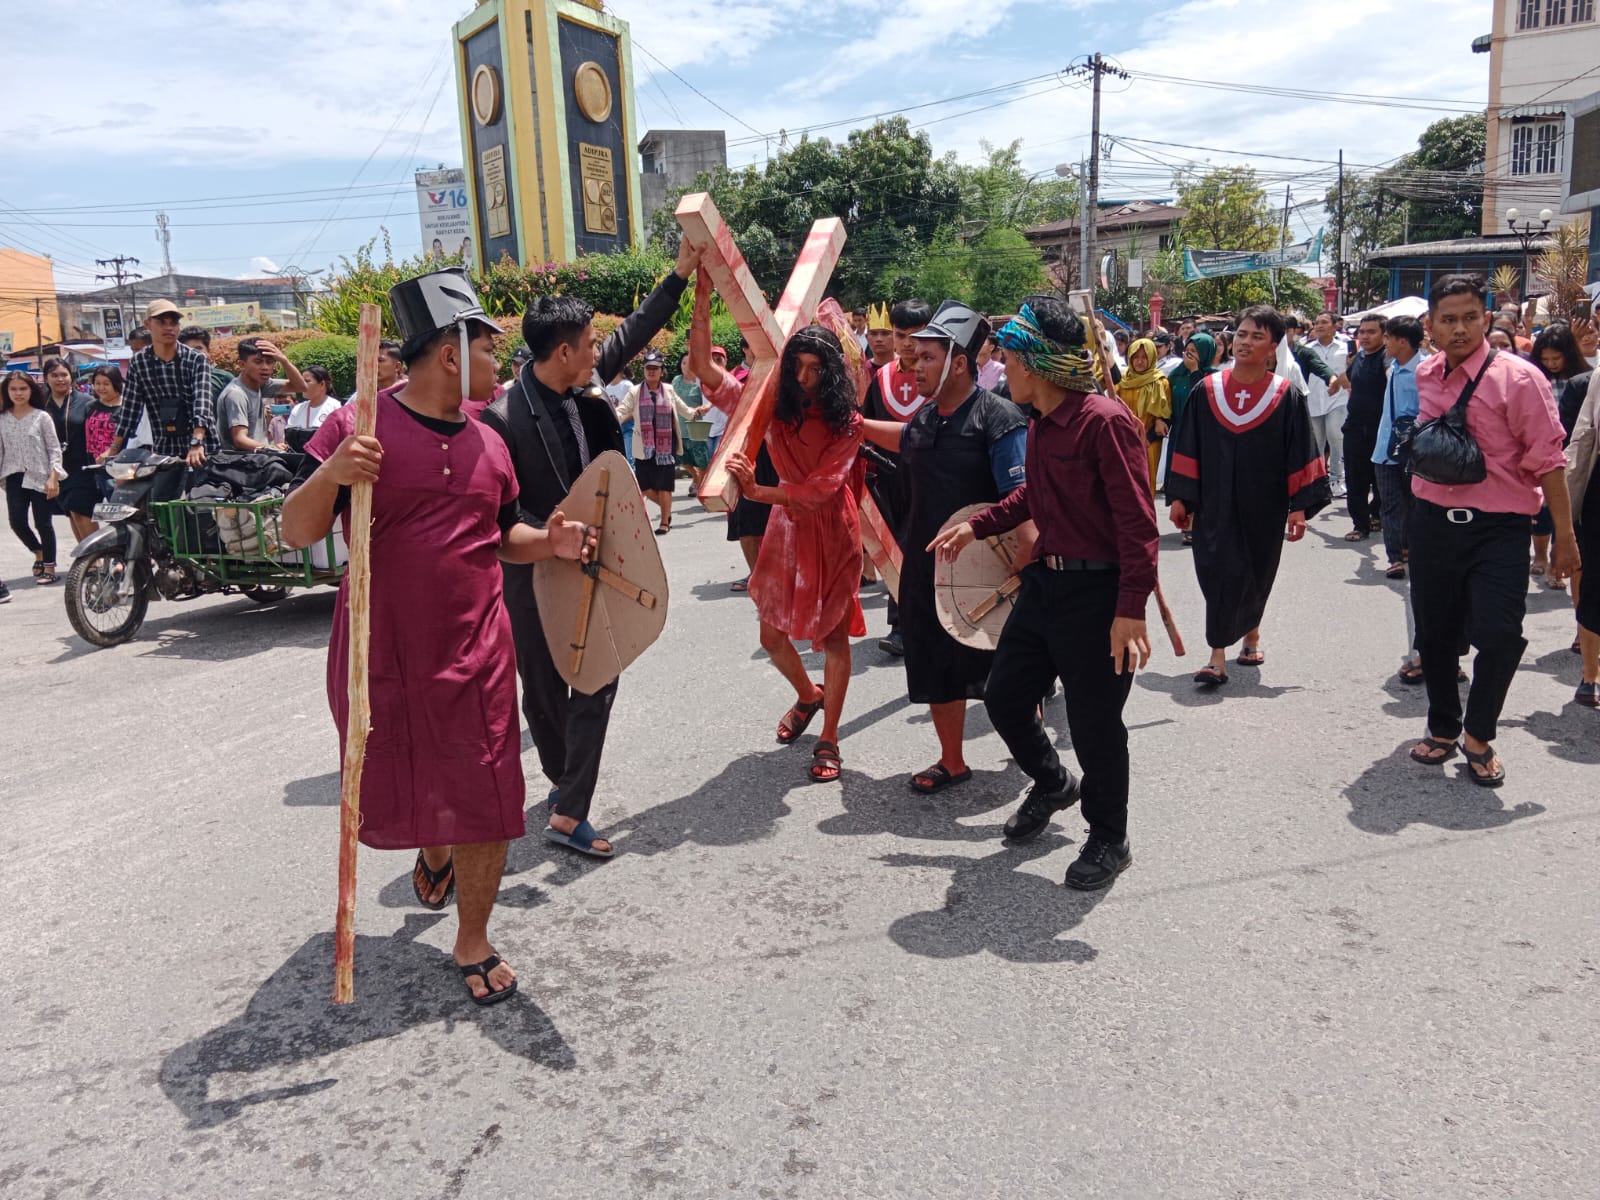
1242	459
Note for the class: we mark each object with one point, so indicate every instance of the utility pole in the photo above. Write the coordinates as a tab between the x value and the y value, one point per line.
1338	247
38	330
1084	209
1283	240
1098	66
164	236
122	279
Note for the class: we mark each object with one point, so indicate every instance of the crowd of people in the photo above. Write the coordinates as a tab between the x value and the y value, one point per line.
1051	427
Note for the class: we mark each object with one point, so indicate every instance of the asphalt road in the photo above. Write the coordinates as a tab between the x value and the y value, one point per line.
1329	973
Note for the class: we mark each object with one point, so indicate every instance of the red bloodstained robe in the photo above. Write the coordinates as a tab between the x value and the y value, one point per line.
444	758
1243	458
808	575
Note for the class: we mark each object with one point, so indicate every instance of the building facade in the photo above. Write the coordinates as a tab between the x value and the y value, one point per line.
1137	229
670	159
1542	56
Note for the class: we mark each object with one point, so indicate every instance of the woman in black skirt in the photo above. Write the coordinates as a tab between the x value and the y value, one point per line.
654	408
964	446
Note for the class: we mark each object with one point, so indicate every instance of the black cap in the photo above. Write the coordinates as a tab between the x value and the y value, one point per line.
654	358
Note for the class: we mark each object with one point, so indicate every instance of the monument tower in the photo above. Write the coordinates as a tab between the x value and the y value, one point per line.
547	130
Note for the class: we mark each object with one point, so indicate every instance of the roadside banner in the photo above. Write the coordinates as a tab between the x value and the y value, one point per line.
442	210
1209	264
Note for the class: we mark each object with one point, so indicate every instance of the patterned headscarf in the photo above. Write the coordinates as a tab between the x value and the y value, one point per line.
1071	367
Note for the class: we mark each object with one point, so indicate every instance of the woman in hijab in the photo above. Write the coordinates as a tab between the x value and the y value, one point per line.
1146	390
1198	357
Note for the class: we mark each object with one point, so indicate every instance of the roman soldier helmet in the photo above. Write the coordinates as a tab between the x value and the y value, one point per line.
962	328
438	300
878	317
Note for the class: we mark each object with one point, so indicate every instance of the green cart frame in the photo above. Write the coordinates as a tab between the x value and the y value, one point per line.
191	529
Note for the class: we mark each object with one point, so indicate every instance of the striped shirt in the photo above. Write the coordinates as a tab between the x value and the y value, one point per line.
177	395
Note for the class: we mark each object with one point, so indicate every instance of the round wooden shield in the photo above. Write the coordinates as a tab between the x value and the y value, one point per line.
975	593
597	622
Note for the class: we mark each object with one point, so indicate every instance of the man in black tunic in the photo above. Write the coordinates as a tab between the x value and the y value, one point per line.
1244	457
966	446
555	417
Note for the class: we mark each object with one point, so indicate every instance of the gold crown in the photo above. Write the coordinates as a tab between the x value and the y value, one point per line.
878	316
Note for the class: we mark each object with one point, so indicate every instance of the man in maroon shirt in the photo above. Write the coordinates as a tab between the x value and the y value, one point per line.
1080	614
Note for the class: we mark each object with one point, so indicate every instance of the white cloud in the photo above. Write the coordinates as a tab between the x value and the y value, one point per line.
260	265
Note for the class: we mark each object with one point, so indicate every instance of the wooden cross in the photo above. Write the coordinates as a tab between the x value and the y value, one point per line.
595	574
764	331
1005	591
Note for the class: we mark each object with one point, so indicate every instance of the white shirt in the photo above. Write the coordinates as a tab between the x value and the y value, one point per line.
1337	357
303	416
1169	364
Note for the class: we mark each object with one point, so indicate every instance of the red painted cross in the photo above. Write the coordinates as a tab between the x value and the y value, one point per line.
764	330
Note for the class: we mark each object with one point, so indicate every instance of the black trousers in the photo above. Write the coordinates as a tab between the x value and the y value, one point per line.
22	502
1469	582
1061	628
568	727
1394	496
1360	477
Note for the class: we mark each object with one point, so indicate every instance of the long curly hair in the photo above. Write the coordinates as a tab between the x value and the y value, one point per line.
837	395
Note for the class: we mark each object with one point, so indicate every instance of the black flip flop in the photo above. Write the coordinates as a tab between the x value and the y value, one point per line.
1445	744
1252	656
1483	760
434	878
1410	673
939	778
483	968
1210	677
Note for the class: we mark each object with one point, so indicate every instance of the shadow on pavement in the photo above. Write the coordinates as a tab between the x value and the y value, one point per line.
315	790
1395	792
400	985
1572	734
233	631
876	806
742	803
1015	915
1243	682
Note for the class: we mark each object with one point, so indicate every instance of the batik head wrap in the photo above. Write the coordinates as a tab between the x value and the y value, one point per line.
1071	367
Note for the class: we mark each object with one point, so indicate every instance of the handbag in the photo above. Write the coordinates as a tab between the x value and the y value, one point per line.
1443	450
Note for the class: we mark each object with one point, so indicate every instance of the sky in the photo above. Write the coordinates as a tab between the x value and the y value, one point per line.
278	135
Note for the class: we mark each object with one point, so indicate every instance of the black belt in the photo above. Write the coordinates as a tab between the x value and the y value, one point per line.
1466	516
1056	563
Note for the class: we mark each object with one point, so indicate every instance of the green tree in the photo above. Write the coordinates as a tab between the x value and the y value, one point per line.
945	272
1228	209
1431	194
1005	267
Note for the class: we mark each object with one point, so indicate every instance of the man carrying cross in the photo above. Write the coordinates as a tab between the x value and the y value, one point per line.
807	580
1242	459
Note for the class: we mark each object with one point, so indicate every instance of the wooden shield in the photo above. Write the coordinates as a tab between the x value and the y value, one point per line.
975	593
598	621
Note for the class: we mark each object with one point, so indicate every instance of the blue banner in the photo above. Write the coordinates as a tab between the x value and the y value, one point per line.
1209	264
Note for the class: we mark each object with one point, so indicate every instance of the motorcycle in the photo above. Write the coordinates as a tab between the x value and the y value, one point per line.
151	544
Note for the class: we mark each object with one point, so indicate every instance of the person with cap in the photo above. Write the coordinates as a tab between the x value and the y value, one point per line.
443	771
1244	458
654	407
718	419
807	579
554	418
892	395
966	446
171	384
1080	614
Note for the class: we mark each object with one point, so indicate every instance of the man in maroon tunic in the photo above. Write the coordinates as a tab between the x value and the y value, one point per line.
443	769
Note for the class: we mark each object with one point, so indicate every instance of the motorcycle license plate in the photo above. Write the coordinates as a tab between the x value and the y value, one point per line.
110	512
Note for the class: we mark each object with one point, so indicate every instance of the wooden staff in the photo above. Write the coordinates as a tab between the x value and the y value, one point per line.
1102	369
358	609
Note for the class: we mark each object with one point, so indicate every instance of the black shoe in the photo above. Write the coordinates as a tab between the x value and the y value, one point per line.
5	594
1102	861
893	644
1037	807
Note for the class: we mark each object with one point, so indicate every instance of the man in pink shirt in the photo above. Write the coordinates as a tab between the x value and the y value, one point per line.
1469	542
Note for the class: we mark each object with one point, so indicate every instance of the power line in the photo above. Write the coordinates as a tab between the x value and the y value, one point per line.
1427	104
725	112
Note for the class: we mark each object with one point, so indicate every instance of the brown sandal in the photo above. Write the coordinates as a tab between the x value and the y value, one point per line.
793	723
826	765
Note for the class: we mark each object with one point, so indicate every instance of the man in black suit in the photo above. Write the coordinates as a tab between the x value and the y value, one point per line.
555	418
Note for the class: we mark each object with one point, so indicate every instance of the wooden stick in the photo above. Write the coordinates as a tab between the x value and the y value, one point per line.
590	581
878	541
1173	635
629	589
358	611
987	605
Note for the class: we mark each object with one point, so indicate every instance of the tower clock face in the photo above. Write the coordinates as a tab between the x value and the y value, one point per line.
592	90
486	95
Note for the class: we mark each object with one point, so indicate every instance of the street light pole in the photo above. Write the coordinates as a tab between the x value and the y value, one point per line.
1526	234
